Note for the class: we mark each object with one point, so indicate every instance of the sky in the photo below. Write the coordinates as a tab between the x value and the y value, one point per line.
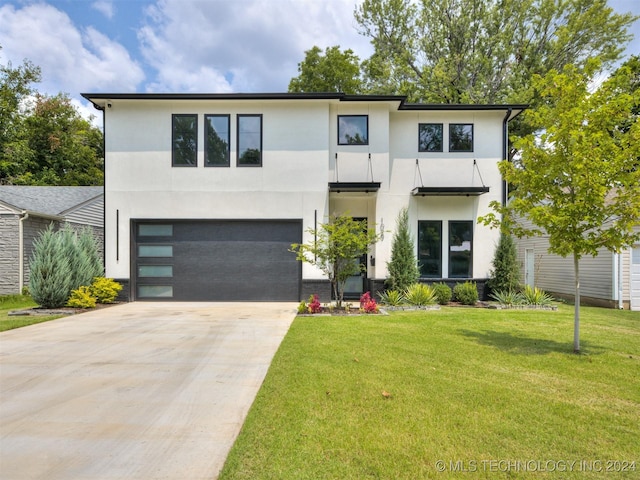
203	46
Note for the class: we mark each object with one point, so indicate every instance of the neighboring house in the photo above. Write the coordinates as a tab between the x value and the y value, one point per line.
25	211
205	193
609	279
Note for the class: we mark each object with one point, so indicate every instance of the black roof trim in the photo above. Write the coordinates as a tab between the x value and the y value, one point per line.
366	187
449	191
342	97
468	106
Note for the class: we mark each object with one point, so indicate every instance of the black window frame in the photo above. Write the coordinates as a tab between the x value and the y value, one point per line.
469	273
420	149
455	150
207	125
174	117
439	246
239	142
366	140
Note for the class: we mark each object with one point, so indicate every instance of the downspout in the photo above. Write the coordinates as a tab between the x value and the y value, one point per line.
505	152
23	216
620	282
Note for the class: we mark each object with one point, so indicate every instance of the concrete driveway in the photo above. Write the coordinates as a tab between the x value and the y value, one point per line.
134	391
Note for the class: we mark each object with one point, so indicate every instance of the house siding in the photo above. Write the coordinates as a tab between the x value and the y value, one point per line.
598	275
9	252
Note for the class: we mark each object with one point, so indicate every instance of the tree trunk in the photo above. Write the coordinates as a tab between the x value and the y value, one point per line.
576	310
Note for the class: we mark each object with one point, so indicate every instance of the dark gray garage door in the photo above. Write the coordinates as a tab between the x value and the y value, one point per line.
216	260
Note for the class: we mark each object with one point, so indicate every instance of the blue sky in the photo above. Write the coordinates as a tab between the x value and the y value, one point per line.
181	45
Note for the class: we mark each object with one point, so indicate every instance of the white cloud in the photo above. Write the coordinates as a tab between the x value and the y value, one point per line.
71	60
241	46
105	7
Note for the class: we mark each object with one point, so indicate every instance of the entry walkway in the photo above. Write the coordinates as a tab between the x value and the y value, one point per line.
135	391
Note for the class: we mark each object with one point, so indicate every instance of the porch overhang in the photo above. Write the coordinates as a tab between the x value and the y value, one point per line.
449	191
354	187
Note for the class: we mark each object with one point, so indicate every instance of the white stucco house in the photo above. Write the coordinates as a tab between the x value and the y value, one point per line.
205	193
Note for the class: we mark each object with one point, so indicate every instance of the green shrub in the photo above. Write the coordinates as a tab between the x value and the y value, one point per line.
105	290
505	275
393	298
535	296
442	292
50	271
420	294
302	308
508	297
466	293
82	298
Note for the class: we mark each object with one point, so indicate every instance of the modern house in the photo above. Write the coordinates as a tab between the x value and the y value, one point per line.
25	211
205	193
608	280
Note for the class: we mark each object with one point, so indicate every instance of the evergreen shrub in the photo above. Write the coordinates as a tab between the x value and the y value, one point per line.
466	293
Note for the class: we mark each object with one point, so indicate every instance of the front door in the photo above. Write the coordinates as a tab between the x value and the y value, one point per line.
356	284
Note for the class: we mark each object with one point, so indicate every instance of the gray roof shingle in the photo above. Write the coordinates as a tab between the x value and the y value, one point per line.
47	200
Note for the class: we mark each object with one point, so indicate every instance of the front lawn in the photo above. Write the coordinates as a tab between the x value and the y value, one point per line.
17	302
464	393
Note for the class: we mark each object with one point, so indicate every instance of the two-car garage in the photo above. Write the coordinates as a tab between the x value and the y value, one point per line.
215	260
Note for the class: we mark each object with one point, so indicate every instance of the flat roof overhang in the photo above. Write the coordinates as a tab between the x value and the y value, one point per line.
359	187
449	191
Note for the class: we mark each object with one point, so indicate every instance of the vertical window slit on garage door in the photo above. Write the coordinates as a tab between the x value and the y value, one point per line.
155	258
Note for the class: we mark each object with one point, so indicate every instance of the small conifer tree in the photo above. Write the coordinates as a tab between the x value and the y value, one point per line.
49	281
403	267
505	275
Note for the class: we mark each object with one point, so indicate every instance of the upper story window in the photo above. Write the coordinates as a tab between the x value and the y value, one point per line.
353	130
216	138
430	137
184	140
461	137
249	141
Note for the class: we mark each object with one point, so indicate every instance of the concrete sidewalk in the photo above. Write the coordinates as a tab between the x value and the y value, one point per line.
135	391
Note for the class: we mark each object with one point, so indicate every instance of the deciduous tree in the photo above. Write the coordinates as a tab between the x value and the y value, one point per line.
336	248
578	180
333	71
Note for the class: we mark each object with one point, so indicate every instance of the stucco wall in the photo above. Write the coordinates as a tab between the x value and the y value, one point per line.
300	156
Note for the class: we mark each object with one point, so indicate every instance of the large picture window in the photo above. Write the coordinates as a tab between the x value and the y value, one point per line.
430	248
184	139
461	137
353	130
430	137
249	140
460	249
216	138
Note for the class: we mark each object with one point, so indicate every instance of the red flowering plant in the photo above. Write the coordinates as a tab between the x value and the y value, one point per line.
368	304
314	304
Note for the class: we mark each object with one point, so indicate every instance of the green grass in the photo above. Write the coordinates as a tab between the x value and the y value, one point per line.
474	388
17	302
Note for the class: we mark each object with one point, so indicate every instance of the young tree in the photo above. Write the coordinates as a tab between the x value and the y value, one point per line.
336	248
335	71
579	180
505	275
403	267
